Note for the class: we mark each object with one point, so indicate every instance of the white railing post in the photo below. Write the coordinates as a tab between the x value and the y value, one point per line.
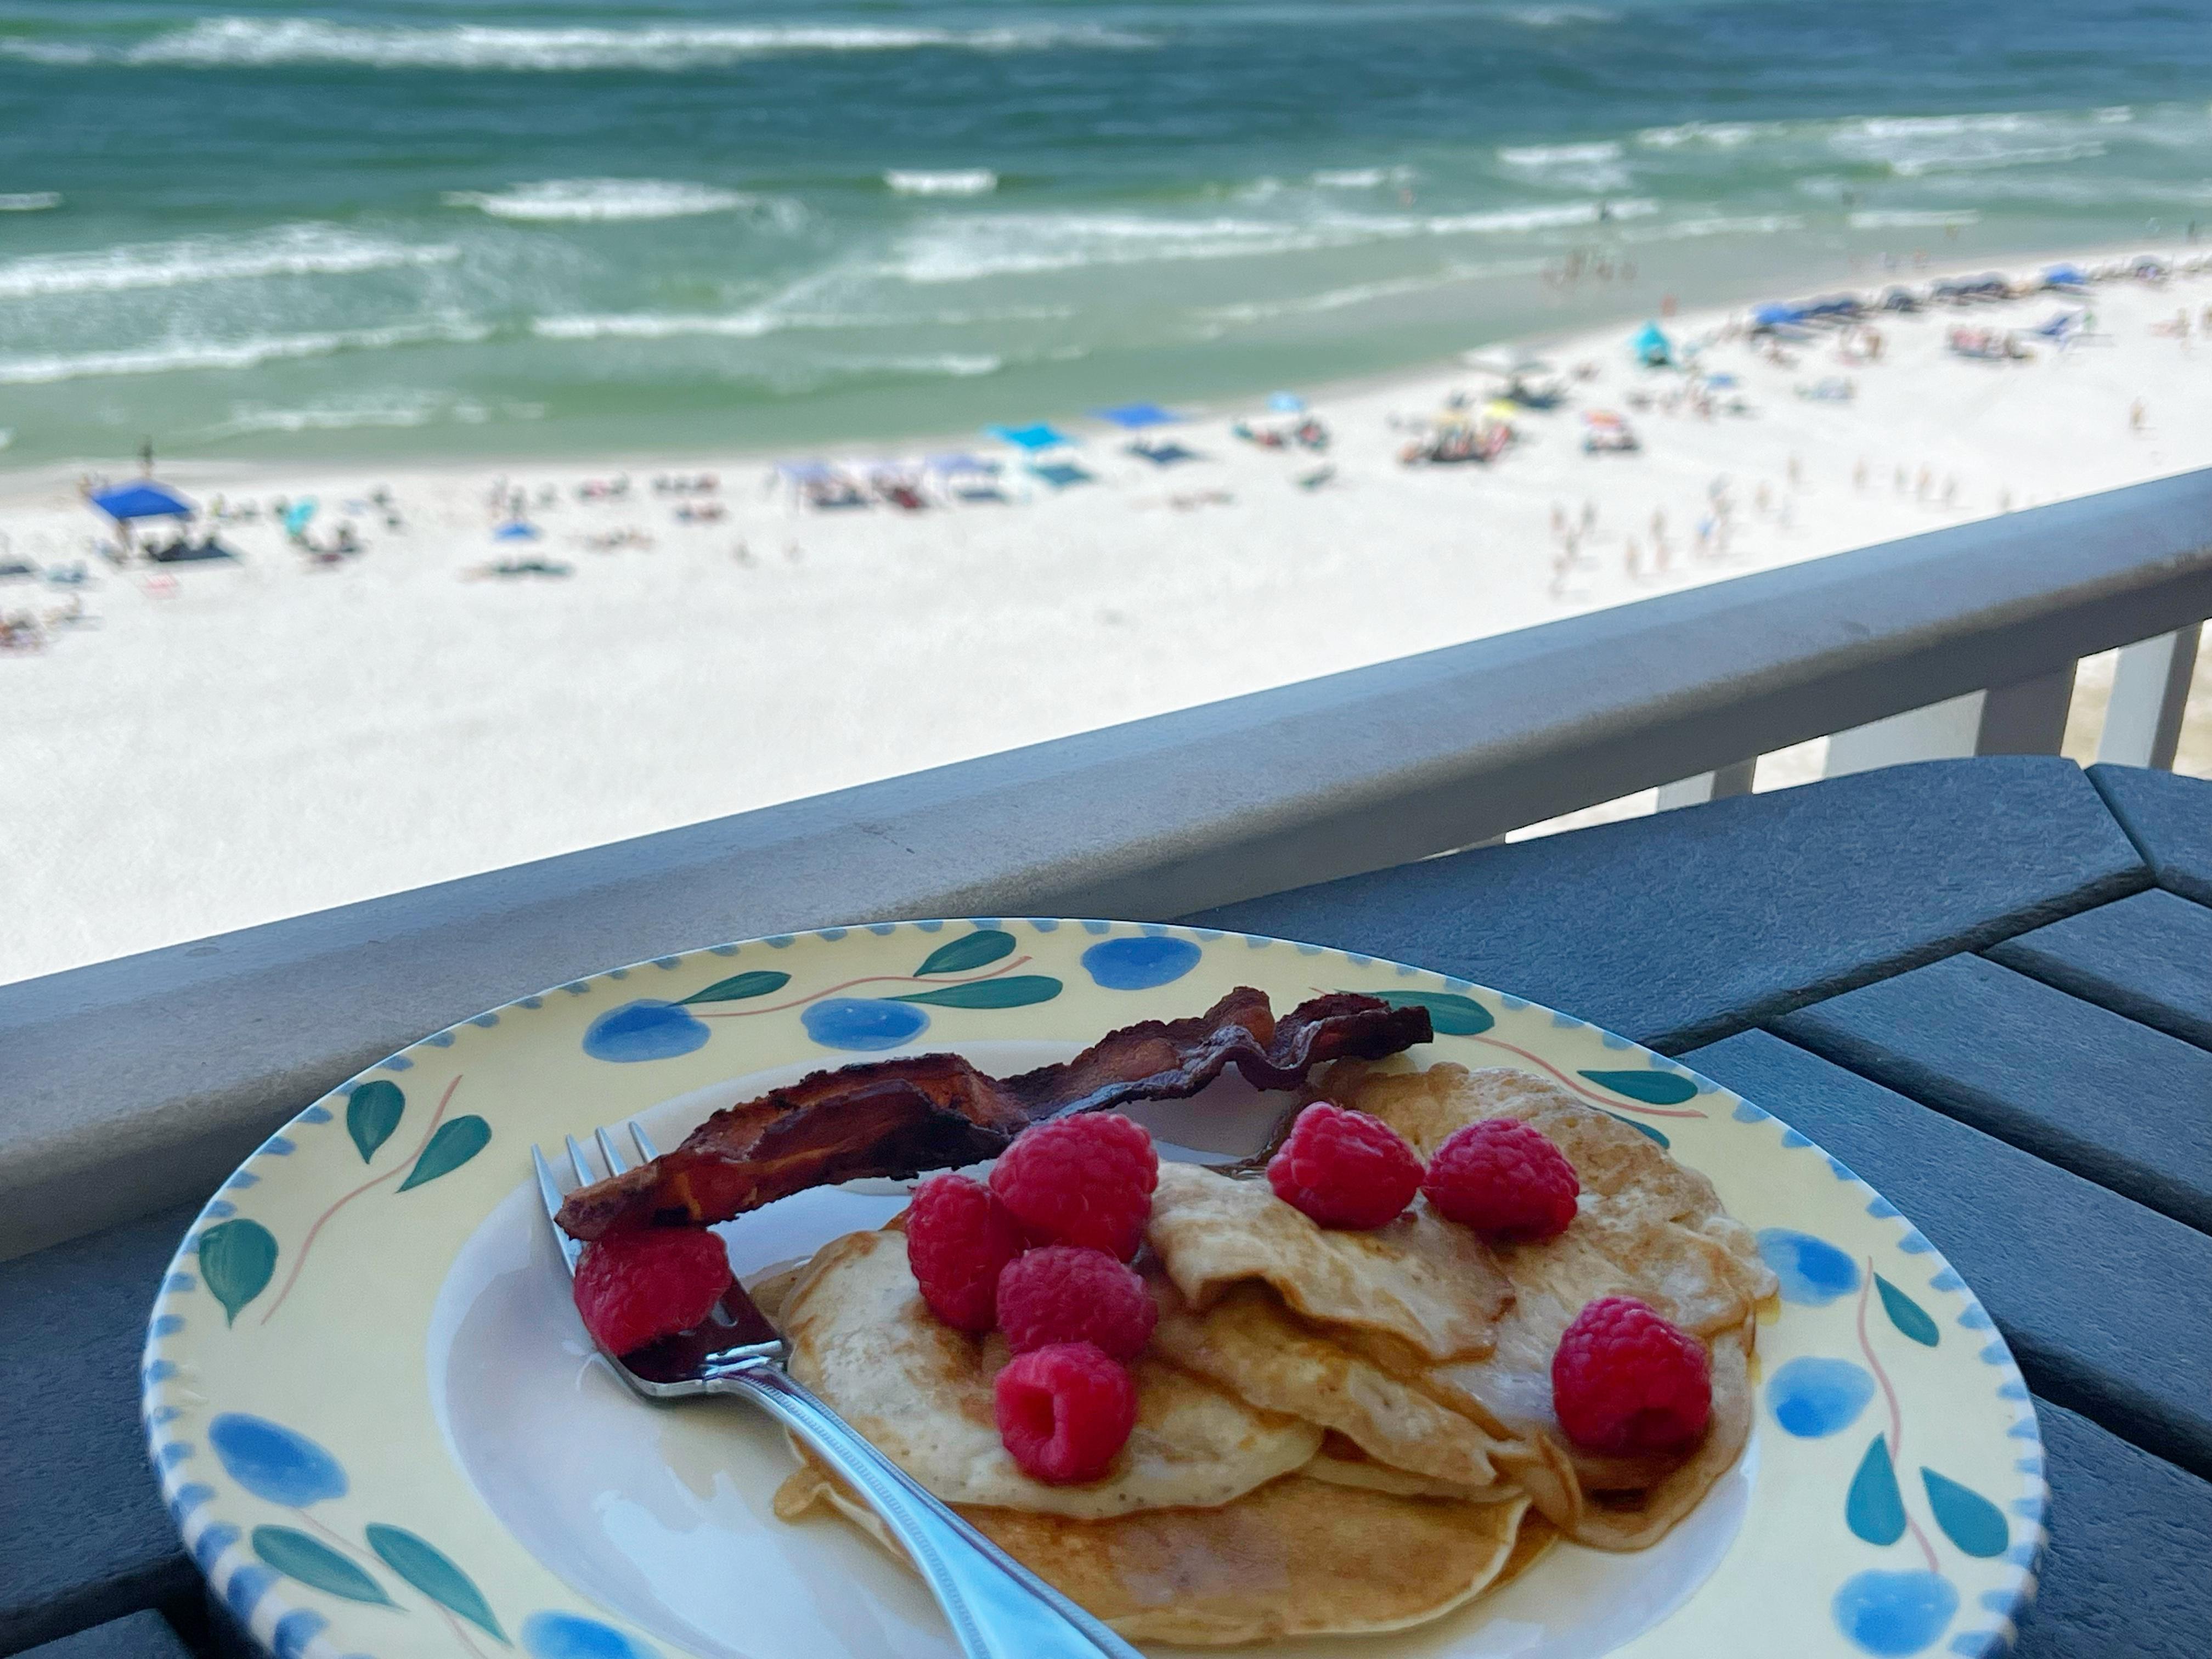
1734	779
2150	694
2027	717
1941	731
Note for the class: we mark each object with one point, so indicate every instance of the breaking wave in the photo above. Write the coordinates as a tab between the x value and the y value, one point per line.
964	250
969	181
174	356
304	250
589	200
268	42
30	200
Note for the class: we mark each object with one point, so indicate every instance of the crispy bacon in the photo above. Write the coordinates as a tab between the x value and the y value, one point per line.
896	1118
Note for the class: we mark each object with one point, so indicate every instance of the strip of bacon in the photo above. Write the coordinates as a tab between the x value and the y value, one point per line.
896	1118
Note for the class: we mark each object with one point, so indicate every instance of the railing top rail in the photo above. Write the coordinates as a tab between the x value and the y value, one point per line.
137	1081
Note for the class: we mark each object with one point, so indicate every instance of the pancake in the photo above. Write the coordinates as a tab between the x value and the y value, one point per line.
1430	1284
1340	1461
1295	1557
1249	1342
863	1340
1646	1227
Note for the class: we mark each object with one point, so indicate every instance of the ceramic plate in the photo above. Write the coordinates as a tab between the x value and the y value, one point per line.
381	1431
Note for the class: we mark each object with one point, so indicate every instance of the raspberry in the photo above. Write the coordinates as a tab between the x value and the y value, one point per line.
1345	1169
1081	1181
634	1288
1065	1412
1624	1381
1066	1293
1501	1177
958	1238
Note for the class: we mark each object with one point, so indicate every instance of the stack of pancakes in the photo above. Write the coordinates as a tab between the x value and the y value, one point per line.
1337	1431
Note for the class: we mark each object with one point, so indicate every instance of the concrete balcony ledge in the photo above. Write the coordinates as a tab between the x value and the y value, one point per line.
140	1082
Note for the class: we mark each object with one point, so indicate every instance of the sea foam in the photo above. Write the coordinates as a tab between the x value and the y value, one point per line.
30	200
173	357
270	41
969	181
303	250
586	200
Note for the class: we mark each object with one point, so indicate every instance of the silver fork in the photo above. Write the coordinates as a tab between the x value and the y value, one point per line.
998	1608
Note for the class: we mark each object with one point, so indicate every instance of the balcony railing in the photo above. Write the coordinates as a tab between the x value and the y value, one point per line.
143	1081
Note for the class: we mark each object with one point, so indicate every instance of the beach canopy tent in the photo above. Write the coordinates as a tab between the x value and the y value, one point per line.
1652	348
1287	402
1135	417
951	466
800	472
1031	438
143	500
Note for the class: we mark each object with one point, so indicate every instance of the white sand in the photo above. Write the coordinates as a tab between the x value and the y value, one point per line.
268	739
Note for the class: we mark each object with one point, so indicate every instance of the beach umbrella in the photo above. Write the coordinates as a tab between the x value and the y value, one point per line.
515	530
1287	402
144	499
1031	438
1137	417
1777	316
953	465
1652	348
2064	276
805	471
296	516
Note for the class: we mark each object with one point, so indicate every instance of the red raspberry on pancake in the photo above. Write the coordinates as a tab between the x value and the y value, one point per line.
1066	1293
959	1239
1085	1180
1345	1169
1065	1412
1623	1381
1504	1178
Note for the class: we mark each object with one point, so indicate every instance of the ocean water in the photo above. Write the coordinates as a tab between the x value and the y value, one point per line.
507	228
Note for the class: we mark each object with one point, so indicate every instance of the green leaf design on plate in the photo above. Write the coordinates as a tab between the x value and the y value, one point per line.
372	1112
1968	1519
1451	1014
1653	1088
969	950
454	1145
312	1561
430	1570
1640	1129
1873	1508
739	986
1908	1315
1017	992
237	1260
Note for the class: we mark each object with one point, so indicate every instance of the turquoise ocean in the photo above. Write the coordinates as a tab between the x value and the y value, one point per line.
512	228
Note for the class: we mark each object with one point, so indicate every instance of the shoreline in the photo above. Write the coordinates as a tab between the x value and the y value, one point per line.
232	744
232	473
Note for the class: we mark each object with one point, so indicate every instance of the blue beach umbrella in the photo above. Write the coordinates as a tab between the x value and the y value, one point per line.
144	499
1652	348
515	530
1287	402
1137	417
297	515
1031	438
1777	316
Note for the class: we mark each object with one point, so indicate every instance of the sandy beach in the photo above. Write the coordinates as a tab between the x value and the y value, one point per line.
220	744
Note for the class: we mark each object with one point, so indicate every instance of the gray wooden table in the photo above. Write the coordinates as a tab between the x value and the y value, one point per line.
1984	985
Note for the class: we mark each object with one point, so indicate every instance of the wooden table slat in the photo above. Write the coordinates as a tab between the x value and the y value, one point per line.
2101	1299
2148	956
2169	817
2077	1085
140	1636
2123	1577
1679	929
84	1537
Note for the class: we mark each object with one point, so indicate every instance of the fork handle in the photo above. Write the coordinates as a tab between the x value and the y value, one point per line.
998	1608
